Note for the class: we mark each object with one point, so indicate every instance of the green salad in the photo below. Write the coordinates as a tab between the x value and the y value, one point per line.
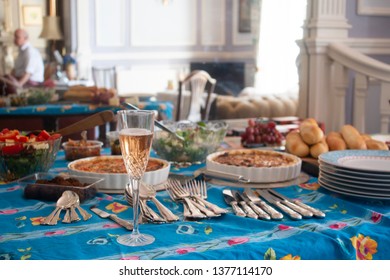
200	139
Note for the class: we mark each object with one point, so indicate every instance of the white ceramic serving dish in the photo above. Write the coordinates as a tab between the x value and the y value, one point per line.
116	182
258	174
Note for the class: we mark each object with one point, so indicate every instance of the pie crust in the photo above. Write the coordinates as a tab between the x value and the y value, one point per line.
117	180
258	166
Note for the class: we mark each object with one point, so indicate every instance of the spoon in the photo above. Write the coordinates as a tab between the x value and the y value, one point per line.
54	216
157	123
149	193
76	202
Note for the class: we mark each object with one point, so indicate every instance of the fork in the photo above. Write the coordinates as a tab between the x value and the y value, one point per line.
179	194
147	213
198	191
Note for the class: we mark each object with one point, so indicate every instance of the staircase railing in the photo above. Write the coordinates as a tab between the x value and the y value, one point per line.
366	69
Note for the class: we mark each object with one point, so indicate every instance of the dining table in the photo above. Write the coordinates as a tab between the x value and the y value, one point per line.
353	228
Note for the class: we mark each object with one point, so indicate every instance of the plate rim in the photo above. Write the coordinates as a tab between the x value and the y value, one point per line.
330	157
330	188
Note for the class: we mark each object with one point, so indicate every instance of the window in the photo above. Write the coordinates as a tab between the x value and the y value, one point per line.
280	27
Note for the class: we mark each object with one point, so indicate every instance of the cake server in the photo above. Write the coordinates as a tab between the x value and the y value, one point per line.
115	218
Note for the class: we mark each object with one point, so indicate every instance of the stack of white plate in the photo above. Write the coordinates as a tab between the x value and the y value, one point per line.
358	173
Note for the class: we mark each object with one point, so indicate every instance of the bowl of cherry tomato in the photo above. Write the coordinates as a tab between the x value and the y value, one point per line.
22	154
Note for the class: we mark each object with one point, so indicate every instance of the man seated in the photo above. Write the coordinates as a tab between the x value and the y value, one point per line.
28	69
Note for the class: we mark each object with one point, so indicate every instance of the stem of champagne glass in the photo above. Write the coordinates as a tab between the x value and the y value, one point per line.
134	184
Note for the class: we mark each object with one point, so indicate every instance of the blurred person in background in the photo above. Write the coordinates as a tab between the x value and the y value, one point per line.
28	69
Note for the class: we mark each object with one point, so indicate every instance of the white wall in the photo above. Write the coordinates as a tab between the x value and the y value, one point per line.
141	35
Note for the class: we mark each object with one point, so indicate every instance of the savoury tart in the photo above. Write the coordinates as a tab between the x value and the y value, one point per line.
113	171
258	166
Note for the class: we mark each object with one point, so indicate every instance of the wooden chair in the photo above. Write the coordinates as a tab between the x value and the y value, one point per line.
199	83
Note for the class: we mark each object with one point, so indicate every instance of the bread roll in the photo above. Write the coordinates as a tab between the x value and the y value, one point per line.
353	138
311	133
295	144
309	120
366	136
335	141
319	148
373	144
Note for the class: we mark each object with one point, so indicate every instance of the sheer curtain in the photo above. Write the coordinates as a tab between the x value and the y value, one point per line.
281	25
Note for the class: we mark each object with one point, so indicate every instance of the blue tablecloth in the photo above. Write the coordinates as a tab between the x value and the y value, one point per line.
352	229
165	109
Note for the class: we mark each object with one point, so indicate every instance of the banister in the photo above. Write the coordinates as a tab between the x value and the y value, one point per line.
359	62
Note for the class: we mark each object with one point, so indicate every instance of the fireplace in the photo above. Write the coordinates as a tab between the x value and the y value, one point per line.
230	76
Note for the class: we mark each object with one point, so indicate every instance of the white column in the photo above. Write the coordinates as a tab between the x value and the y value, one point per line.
385	107
338	85
83	40
326	23
360	96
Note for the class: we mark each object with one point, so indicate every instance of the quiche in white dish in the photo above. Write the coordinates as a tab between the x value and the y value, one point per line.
258	166
112	170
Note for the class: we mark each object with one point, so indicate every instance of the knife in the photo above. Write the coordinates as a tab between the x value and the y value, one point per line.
115	218
258	210
248	211
273	200
303	212
275	215
225	176
316	212
229	199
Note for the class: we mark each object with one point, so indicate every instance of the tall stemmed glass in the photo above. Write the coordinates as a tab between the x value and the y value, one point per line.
135	136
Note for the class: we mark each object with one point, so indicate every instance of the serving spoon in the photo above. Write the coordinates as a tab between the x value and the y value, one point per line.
157	123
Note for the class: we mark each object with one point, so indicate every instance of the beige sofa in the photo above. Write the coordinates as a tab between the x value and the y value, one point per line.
248	104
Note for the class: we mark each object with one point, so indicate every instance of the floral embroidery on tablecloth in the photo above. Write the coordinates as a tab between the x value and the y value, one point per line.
116	207
36	221
365	247
376	217
290	257
270	254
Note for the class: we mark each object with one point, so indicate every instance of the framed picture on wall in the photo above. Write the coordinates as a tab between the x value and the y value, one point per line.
32	15
244	16
373	7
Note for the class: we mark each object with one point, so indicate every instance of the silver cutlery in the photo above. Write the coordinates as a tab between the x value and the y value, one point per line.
247	209
179	194
113	217
275	215
76	203
230	200
54	216
148	193
277	202
147	213
316	212
197	190
225	176
157	123
303	212
258	210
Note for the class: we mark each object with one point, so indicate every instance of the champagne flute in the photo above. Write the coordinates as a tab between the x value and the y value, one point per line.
135	136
